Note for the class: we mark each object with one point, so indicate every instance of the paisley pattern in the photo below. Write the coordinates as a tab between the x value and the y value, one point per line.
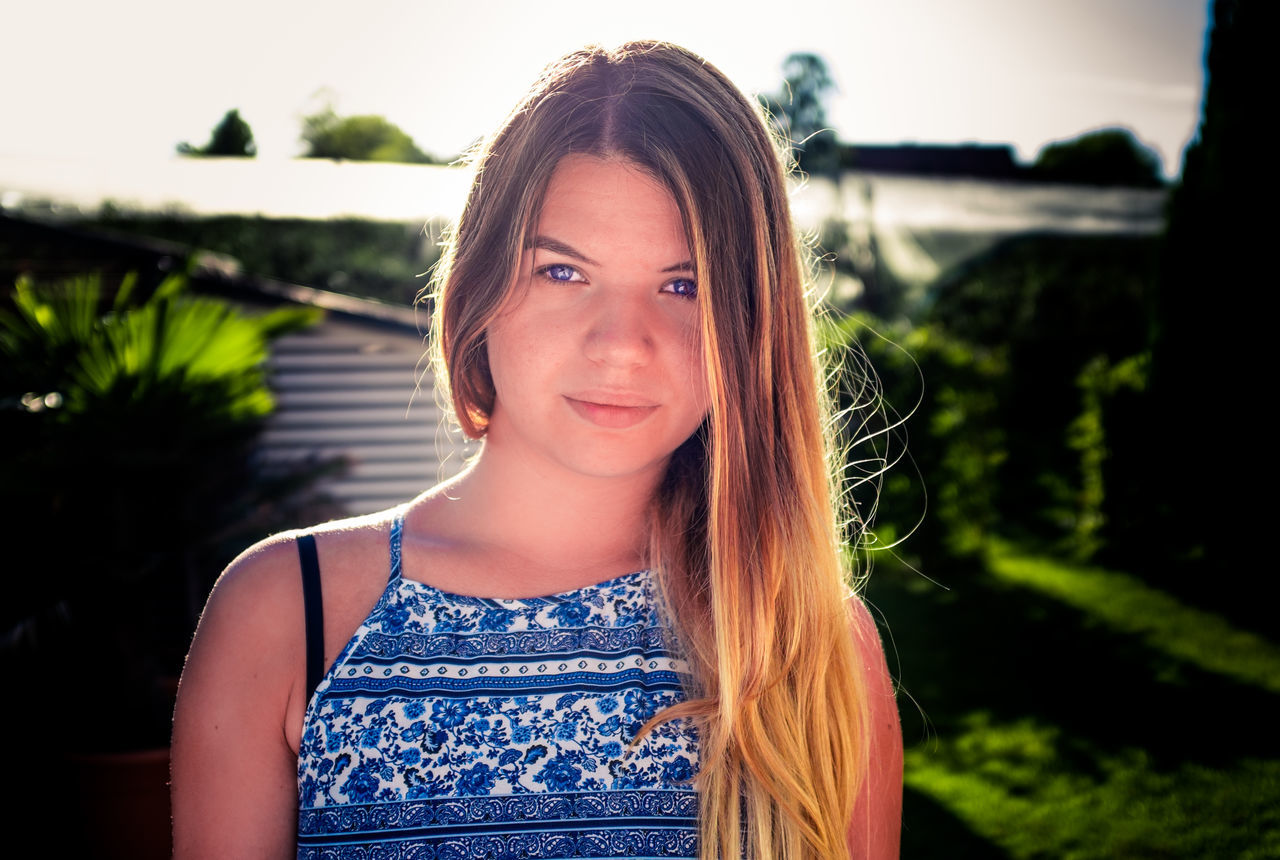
461	727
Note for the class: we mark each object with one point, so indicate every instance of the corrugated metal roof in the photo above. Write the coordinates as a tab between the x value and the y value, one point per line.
353	386
360	390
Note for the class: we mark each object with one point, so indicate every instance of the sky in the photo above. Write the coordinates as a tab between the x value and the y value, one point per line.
133	78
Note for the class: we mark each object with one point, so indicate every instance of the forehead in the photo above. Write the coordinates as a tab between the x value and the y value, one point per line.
610	203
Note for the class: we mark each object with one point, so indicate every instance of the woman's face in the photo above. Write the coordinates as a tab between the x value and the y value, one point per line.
597	366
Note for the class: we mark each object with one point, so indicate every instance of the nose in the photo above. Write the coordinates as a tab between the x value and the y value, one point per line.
621	331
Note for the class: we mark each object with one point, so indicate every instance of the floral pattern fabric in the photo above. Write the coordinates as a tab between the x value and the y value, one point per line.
461	727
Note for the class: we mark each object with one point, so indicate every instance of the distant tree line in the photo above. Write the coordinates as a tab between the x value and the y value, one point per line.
1108	156
326	134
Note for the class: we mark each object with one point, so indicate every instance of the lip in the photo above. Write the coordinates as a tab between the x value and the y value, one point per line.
612	411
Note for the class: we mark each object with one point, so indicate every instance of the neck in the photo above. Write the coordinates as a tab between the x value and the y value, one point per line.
564	527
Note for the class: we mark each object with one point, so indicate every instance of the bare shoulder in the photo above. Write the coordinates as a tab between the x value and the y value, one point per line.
251	640
260	592
355	564
230	761
876	826
271	565
878	683
869	648
866	636
260	582
242	696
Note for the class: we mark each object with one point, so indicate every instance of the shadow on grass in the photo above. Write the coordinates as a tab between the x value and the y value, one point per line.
927	826
1049	733
1014	653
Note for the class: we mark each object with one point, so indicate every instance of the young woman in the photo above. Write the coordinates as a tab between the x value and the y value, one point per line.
623	630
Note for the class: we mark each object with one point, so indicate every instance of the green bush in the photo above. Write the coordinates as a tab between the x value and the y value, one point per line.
1108	156
923	436
1048	305
129	425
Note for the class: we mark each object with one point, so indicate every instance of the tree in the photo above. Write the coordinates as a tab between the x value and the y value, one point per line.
1108	156
799	112
231	137
1211	346
359	138
135	418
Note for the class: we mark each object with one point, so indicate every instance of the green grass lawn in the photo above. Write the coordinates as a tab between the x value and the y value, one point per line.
1059	710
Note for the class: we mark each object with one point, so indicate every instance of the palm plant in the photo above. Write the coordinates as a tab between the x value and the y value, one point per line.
129	423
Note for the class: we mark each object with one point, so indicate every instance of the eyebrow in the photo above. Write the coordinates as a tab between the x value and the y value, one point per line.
547	243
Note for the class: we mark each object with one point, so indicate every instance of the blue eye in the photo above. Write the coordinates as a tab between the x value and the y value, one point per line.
686	287
560	272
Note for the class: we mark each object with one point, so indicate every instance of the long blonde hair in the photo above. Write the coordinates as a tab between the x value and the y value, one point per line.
744	530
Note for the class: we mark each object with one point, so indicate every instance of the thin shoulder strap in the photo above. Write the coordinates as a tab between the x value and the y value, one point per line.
397	528
313	610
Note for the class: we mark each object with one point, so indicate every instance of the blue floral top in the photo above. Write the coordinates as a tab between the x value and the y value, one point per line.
461	727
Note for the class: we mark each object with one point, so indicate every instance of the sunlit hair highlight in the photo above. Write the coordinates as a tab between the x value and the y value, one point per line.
744	530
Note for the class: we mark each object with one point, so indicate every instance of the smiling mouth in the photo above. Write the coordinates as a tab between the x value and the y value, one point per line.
611	415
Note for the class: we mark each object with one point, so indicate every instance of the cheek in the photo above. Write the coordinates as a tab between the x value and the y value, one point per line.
506	333
523	355
502	352
695	375
701	396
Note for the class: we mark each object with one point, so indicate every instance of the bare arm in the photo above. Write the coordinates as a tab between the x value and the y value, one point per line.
875	832
234	776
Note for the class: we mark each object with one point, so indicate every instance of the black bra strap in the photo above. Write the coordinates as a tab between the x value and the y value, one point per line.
313	609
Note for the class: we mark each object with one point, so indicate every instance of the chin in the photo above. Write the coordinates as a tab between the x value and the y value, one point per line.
613	466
